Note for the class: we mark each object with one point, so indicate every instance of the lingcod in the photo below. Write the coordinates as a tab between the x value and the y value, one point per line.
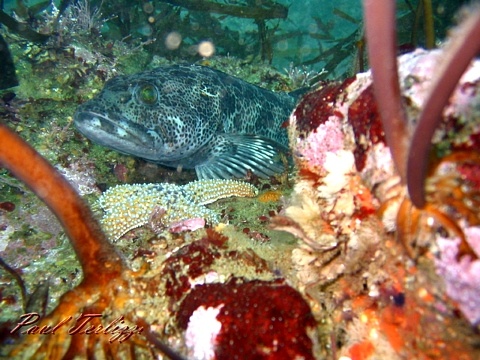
191	117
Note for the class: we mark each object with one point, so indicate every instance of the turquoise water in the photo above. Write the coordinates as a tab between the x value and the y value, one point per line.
64	58
312	33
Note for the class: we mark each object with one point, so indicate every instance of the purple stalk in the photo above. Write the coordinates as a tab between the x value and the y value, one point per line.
457	56
382	55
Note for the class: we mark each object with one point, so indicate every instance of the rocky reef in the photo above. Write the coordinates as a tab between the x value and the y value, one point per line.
381	272
333	259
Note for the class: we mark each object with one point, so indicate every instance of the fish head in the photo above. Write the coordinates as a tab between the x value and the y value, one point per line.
156	115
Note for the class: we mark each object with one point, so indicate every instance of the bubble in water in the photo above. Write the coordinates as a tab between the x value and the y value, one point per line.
173	40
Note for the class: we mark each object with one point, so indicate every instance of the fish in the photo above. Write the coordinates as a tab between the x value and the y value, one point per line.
191	117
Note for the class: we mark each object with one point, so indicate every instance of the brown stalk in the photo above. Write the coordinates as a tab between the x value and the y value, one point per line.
272	11
382	54
429	25
96	255
103	268
457	57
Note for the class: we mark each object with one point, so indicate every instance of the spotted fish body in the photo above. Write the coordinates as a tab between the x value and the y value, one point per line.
190	116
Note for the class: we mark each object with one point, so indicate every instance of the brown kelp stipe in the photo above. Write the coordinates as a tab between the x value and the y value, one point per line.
458	55
411	153
382	54
105	274
94	252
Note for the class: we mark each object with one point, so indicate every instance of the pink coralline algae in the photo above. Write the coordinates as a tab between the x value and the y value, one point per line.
337	116
189	224
327	137
461	276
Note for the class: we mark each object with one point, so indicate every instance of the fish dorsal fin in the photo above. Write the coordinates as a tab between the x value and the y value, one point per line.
233	155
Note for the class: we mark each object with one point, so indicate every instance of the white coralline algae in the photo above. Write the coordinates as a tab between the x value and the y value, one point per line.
203	328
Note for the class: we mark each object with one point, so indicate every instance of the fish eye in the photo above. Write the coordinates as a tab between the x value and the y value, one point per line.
147	94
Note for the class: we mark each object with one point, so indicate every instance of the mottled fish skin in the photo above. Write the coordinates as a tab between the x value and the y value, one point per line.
191	116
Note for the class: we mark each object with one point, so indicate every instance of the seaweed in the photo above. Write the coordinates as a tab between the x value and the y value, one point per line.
267	10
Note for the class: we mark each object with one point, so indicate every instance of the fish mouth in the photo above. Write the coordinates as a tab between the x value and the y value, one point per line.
117	133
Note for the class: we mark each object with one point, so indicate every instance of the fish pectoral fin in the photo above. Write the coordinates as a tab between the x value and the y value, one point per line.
233	155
